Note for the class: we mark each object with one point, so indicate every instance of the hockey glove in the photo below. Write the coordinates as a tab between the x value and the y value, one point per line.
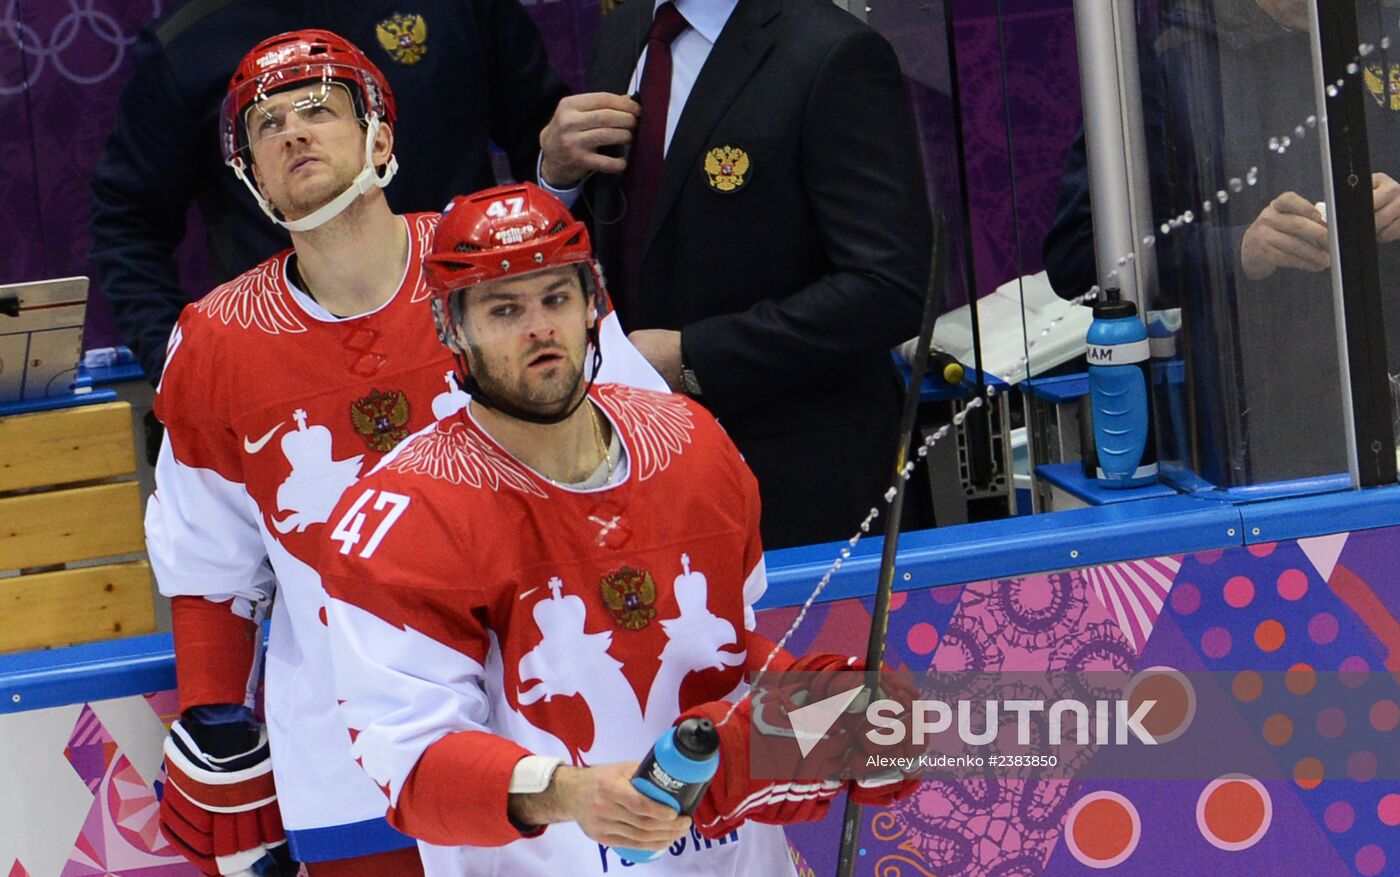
882	787
221	812
734	795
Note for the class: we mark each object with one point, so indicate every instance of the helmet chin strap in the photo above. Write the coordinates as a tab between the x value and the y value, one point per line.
468	383
365	180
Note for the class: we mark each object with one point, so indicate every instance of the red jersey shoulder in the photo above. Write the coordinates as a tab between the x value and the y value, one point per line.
454	453
657	427
663	428
256	300
422	226
396	525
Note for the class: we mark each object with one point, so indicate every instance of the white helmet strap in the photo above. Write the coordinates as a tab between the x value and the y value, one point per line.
367	178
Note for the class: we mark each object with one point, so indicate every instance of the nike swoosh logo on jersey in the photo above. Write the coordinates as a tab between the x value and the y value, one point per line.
255	447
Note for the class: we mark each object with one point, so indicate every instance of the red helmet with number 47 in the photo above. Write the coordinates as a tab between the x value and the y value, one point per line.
503	232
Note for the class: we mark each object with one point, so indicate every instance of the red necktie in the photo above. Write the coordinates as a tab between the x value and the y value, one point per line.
645	160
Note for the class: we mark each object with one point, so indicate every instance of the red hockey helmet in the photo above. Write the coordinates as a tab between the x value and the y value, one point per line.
300	58
295	58
503	232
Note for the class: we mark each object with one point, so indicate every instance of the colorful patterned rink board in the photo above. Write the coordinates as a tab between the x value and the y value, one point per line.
1329	602
75	782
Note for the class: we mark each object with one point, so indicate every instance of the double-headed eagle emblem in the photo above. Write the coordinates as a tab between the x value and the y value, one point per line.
404	37
629	594
727	168
381	419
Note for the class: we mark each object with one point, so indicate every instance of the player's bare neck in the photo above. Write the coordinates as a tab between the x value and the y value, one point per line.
566	452
354	263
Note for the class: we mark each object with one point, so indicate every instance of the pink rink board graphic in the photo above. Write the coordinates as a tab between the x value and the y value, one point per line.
76	783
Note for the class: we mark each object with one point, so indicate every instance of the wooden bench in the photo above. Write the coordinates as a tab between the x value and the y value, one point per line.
70	529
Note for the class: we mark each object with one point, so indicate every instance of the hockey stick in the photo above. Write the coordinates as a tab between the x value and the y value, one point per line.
880	614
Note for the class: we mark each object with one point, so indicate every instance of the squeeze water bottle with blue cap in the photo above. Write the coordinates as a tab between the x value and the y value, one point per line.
676	773
1119	377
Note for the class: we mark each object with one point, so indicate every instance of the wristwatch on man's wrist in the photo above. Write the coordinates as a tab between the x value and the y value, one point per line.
689	381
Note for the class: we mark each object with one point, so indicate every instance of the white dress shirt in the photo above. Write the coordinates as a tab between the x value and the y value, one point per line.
688	53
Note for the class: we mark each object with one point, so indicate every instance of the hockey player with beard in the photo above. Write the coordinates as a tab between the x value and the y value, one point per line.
526	594
280	389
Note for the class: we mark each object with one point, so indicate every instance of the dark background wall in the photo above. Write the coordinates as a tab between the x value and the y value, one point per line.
63	63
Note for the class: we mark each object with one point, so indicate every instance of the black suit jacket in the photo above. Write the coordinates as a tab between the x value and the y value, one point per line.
789	290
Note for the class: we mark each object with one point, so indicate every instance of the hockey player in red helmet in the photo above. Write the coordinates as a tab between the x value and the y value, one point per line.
298	80
559	572
510	233
281	389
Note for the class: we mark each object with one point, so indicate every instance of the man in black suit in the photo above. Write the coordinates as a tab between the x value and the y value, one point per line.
781	247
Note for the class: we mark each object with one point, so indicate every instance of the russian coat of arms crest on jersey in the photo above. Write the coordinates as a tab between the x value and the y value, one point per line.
629	594
381	418
404	37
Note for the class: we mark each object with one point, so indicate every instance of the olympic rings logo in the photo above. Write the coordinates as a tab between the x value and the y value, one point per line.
36	53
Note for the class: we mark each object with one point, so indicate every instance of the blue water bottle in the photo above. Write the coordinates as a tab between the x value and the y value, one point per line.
676	773
1119	376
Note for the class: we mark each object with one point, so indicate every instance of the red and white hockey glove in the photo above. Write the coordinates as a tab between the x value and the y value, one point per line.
881	788
734	795
221	813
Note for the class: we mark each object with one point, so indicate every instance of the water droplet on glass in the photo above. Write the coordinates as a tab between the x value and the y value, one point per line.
1385	42
1273	144
1148	240
1331	91
1366	49
1188	216
1166	229
1353	68
1122	260
1222	196
1300	132
1285	143
1253	176
1130	257
1236	185
1311	121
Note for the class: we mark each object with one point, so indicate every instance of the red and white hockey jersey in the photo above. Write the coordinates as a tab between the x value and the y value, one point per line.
273	408
480	613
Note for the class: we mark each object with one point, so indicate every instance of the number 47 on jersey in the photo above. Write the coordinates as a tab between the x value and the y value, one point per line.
347	532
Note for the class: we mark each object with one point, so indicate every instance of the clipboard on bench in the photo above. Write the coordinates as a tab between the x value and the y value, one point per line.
41	337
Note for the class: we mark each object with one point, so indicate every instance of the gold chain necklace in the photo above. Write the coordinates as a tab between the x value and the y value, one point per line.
598	438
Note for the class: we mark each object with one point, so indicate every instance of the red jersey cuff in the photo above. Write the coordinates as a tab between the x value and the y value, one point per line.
213	651
459	792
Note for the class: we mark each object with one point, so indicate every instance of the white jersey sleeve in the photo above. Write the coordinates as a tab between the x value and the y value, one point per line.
410	674
202	527
203	538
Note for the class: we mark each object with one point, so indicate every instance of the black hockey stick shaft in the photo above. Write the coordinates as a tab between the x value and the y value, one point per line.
880	614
